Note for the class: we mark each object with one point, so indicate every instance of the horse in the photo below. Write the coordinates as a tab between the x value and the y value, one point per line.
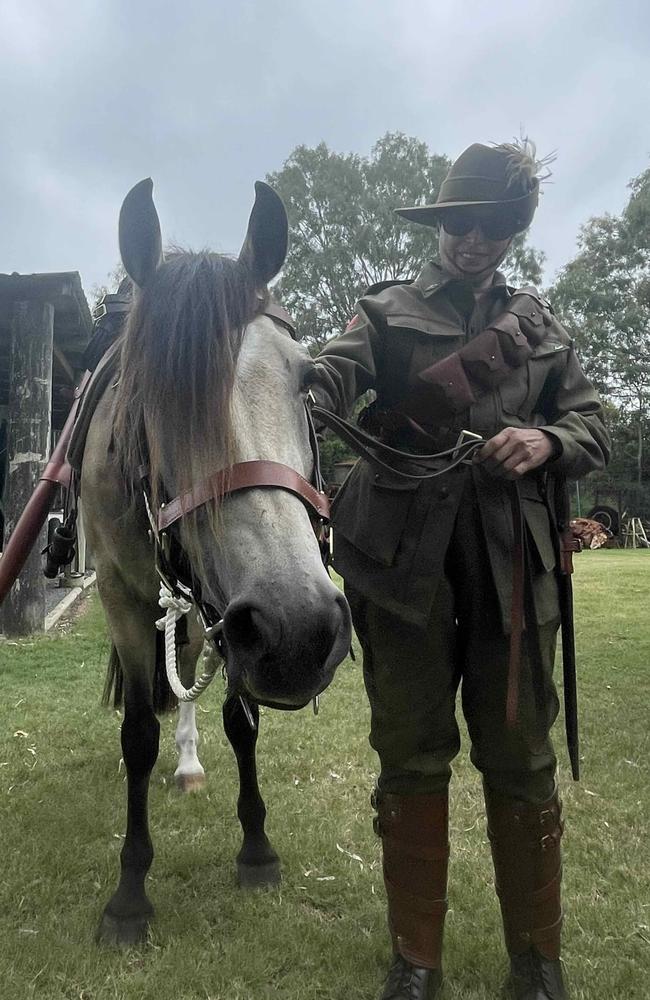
209	383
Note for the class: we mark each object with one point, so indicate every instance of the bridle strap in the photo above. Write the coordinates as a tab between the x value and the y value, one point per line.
244	476
279	314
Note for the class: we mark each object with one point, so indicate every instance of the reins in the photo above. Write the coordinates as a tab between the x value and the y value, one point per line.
370	448
522	611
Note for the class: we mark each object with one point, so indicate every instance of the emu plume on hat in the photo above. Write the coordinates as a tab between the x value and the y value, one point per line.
506	175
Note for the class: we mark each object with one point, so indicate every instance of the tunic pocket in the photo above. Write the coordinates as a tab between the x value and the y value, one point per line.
520	393
371	511
539	531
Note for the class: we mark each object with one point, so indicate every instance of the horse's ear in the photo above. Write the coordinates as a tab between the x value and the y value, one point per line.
265	246
140	237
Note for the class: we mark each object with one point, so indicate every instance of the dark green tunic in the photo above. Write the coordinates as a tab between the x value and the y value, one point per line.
427	566
391	536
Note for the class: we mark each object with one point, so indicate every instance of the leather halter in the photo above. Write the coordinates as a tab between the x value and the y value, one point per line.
245	476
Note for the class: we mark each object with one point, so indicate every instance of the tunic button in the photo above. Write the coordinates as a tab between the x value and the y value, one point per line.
377	477
443	493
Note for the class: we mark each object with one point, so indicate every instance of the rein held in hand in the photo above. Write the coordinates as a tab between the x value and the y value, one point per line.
522	611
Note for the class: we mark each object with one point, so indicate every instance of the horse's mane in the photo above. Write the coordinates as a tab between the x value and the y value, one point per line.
181	344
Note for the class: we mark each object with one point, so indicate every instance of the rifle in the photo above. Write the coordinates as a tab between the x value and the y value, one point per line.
57	473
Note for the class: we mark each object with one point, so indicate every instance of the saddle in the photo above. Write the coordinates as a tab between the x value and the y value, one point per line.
105	374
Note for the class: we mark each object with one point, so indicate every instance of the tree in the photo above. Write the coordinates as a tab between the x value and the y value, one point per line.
114	278
345	235
603	296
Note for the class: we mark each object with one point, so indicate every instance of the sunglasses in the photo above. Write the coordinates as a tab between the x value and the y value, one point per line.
497	225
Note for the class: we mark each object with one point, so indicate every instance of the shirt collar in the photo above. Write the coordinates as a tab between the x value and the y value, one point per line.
433	279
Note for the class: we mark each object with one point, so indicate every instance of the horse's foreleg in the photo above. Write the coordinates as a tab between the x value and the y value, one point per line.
189	775
127	914
257	863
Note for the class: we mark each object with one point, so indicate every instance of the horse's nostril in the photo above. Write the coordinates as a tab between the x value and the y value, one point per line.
246	628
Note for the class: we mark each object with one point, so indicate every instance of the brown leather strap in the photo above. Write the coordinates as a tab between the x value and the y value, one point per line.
280	315
516	609
415	844
57	469
244	476
568	545
525	841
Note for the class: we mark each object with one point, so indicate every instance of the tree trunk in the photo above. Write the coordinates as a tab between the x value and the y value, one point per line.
30	404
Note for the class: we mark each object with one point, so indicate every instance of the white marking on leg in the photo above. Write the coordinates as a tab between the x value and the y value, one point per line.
190	772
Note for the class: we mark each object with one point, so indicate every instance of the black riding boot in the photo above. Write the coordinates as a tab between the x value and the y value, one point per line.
415	840
525	841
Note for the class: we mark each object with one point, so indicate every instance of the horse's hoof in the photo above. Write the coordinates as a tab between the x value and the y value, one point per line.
264	876
187	783
122	932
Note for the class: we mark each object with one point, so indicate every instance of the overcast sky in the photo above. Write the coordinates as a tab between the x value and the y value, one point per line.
207	96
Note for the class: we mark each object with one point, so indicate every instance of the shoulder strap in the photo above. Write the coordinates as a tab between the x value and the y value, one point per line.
380	286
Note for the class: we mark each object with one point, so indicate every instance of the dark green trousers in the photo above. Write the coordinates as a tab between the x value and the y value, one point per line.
412	677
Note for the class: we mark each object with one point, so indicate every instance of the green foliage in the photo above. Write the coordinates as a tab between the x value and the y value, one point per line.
603	297
332	450
113	280
345	235
627	477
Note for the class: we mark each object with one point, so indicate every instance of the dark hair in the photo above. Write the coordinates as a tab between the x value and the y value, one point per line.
181	344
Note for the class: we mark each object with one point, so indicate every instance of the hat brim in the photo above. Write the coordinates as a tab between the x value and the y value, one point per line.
429	215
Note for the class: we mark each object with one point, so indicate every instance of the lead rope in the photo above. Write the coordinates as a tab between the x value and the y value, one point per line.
176	608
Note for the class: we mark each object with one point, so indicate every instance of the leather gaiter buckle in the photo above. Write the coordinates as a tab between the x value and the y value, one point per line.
414	830
525	841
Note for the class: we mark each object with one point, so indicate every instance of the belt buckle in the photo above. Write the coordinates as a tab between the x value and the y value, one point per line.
464	438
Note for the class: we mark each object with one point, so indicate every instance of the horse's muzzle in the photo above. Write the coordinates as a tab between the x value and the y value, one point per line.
284	654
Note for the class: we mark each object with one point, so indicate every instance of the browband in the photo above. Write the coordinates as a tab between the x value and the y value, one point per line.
243	476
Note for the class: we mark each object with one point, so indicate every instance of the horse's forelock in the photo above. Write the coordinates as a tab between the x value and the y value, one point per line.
179	357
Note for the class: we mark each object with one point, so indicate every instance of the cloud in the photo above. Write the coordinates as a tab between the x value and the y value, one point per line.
208	96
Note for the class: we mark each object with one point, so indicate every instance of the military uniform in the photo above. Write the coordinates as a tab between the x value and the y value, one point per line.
427	567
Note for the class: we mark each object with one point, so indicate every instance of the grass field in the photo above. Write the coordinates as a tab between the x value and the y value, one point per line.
322	936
